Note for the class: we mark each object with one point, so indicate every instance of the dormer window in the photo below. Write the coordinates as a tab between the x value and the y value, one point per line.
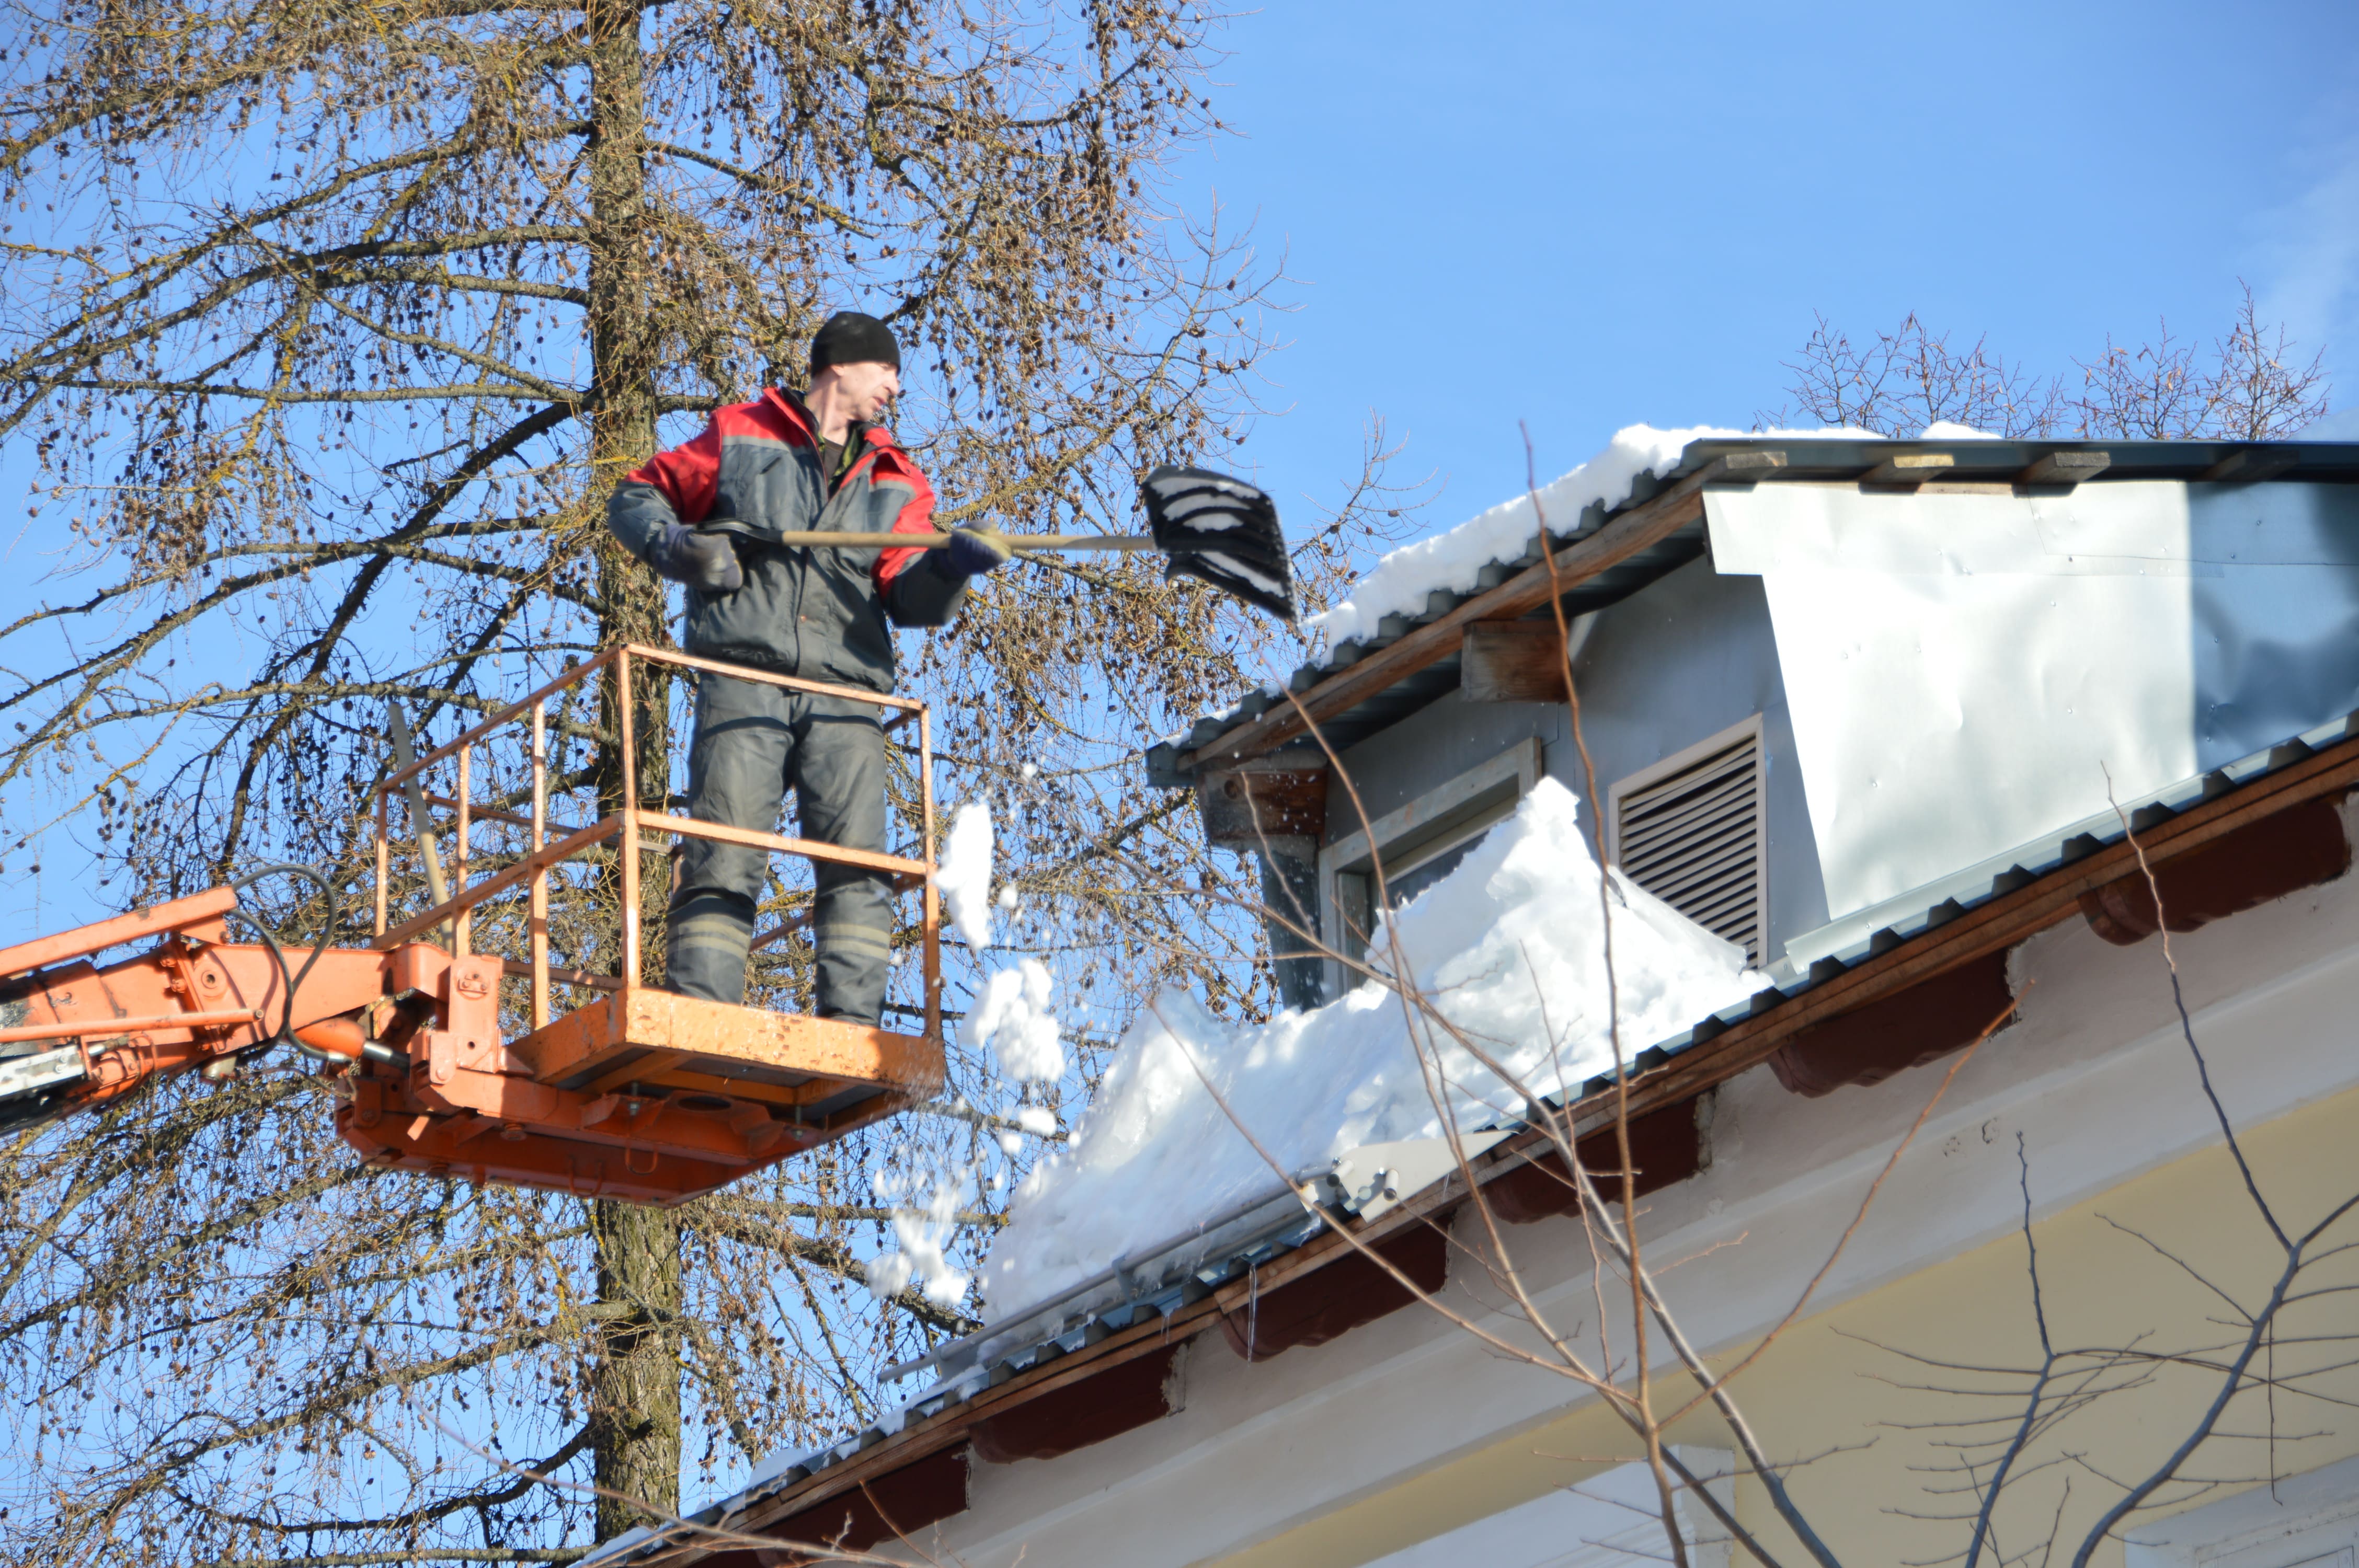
1416	846
1689	831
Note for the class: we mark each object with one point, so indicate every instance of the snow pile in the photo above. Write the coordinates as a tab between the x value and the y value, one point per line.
924	1234
1455	559
964	873
1510	945
1014	1012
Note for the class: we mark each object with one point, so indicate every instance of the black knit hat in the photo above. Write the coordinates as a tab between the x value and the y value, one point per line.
849	338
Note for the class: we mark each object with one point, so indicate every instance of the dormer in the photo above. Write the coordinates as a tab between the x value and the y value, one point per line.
1830	689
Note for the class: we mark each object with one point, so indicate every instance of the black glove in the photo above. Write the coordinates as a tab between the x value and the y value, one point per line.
706	562
974	551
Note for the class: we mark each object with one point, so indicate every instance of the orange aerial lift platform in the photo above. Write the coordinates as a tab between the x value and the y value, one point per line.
453	1062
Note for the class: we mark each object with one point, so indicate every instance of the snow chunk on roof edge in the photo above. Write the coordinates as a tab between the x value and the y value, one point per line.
1453	560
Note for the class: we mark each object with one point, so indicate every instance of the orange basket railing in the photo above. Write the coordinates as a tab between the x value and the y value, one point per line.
623	829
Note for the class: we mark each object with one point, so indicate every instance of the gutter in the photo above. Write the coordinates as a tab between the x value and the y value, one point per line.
1365	1183
1246	1226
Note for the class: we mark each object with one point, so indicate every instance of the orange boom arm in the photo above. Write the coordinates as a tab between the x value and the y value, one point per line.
646	1097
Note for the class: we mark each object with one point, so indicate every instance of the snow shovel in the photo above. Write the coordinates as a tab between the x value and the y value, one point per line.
1209	526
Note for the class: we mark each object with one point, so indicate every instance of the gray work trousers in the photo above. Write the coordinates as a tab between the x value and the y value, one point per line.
753	743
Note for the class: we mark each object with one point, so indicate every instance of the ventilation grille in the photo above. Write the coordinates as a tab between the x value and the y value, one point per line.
1693	839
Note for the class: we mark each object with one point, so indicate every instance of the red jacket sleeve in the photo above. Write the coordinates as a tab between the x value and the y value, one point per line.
687	475
916	517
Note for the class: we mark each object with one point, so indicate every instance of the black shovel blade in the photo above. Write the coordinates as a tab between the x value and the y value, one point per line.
1221	530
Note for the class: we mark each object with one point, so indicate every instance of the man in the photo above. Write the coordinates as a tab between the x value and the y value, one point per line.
778	465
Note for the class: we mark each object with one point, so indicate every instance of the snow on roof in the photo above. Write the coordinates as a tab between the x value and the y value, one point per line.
1938	905
1507	944
1454	559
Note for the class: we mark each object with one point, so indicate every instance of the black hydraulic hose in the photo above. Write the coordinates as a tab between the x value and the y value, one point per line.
286	1033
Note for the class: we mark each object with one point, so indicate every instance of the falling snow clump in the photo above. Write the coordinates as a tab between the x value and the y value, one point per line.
964	873
923	1236
1014	1020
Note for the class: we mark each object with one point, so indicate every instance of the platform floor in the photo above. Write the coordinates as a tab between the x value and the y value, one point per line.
686	1045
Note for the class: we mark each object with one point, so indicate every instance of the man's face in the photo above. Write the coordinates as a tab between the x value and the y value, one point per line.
869	387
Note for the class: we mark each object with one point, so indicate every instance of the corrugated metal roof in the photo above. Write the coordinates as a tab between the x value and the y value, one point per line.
1807	460
1226	1246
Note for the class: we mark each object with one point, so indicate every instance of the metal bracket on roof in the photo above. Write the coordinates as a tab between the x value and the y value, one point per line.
1753	464
1910	468
1376	1177
1733	471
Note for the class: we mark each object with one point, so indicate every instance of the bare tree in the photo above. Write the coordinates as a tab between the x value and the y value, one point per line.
2255	387
330	323
2251	386
1911	378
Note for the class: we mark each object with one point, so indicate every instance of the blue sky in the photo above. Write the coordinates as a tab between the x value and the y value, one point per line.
1584	216
1587	216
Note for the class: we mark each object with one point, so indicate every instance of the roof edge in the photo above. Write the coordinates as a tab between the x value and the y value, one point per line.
1174	762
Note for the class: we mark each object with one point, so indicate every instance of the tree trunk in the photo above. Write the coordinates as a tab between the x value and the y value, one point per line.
635	1375
635	1381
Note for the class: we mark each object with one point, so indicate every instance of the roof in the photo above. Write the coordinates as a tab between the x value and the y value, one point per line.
1183	1287
1364	684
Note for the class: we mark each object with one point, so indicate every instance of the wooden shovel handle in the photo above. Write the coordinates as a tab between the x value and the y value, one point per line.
942	541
